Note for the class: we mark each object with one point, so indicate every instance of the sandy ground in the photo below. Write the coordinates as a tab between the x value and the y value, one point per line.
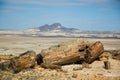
17	45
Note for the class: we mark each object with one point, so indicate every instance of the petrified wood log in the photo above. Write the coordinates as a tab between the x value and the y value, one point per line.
72	52
25	60
66	53
5	61
4	65
16	64
94	51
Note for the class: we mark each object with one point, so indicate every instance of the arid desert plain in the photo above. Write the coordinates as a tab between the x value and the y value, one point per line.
18	45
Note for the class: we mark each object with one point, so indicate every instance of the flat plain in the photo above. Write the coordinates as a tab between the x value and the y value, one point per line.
17	45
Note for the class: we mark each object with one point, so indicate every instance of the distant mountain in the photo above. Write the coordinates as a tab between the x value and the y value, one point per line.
58	28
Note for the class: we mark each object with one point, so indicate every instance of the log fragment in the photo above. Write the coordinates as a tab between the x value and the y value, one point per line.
16	64
107	64
25	60
116	54
94	51
4	65
5	61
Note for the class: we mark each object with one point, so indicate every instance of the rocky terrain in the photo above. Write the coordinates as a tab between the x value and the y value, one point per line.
94	71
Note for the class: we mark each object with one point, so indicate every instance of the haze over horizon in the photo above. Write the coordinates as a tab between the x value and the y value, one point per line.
89	15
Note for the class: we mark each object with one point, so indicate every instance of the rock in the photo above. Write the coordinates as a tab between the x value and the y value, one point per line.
77	68
15	79
38	67
74	75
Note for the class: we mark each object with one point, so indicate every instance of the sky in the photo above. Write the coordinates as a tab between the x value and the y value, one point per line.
86	15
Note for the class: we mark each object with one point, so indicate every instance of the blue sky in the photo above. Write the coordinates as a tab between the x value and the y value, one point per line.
100	15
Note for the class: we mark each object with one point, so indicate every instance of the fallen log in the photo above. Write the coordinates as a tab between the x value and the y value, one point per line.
25	60
65	54
4	65
16	64
5	61
94	51
72	53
